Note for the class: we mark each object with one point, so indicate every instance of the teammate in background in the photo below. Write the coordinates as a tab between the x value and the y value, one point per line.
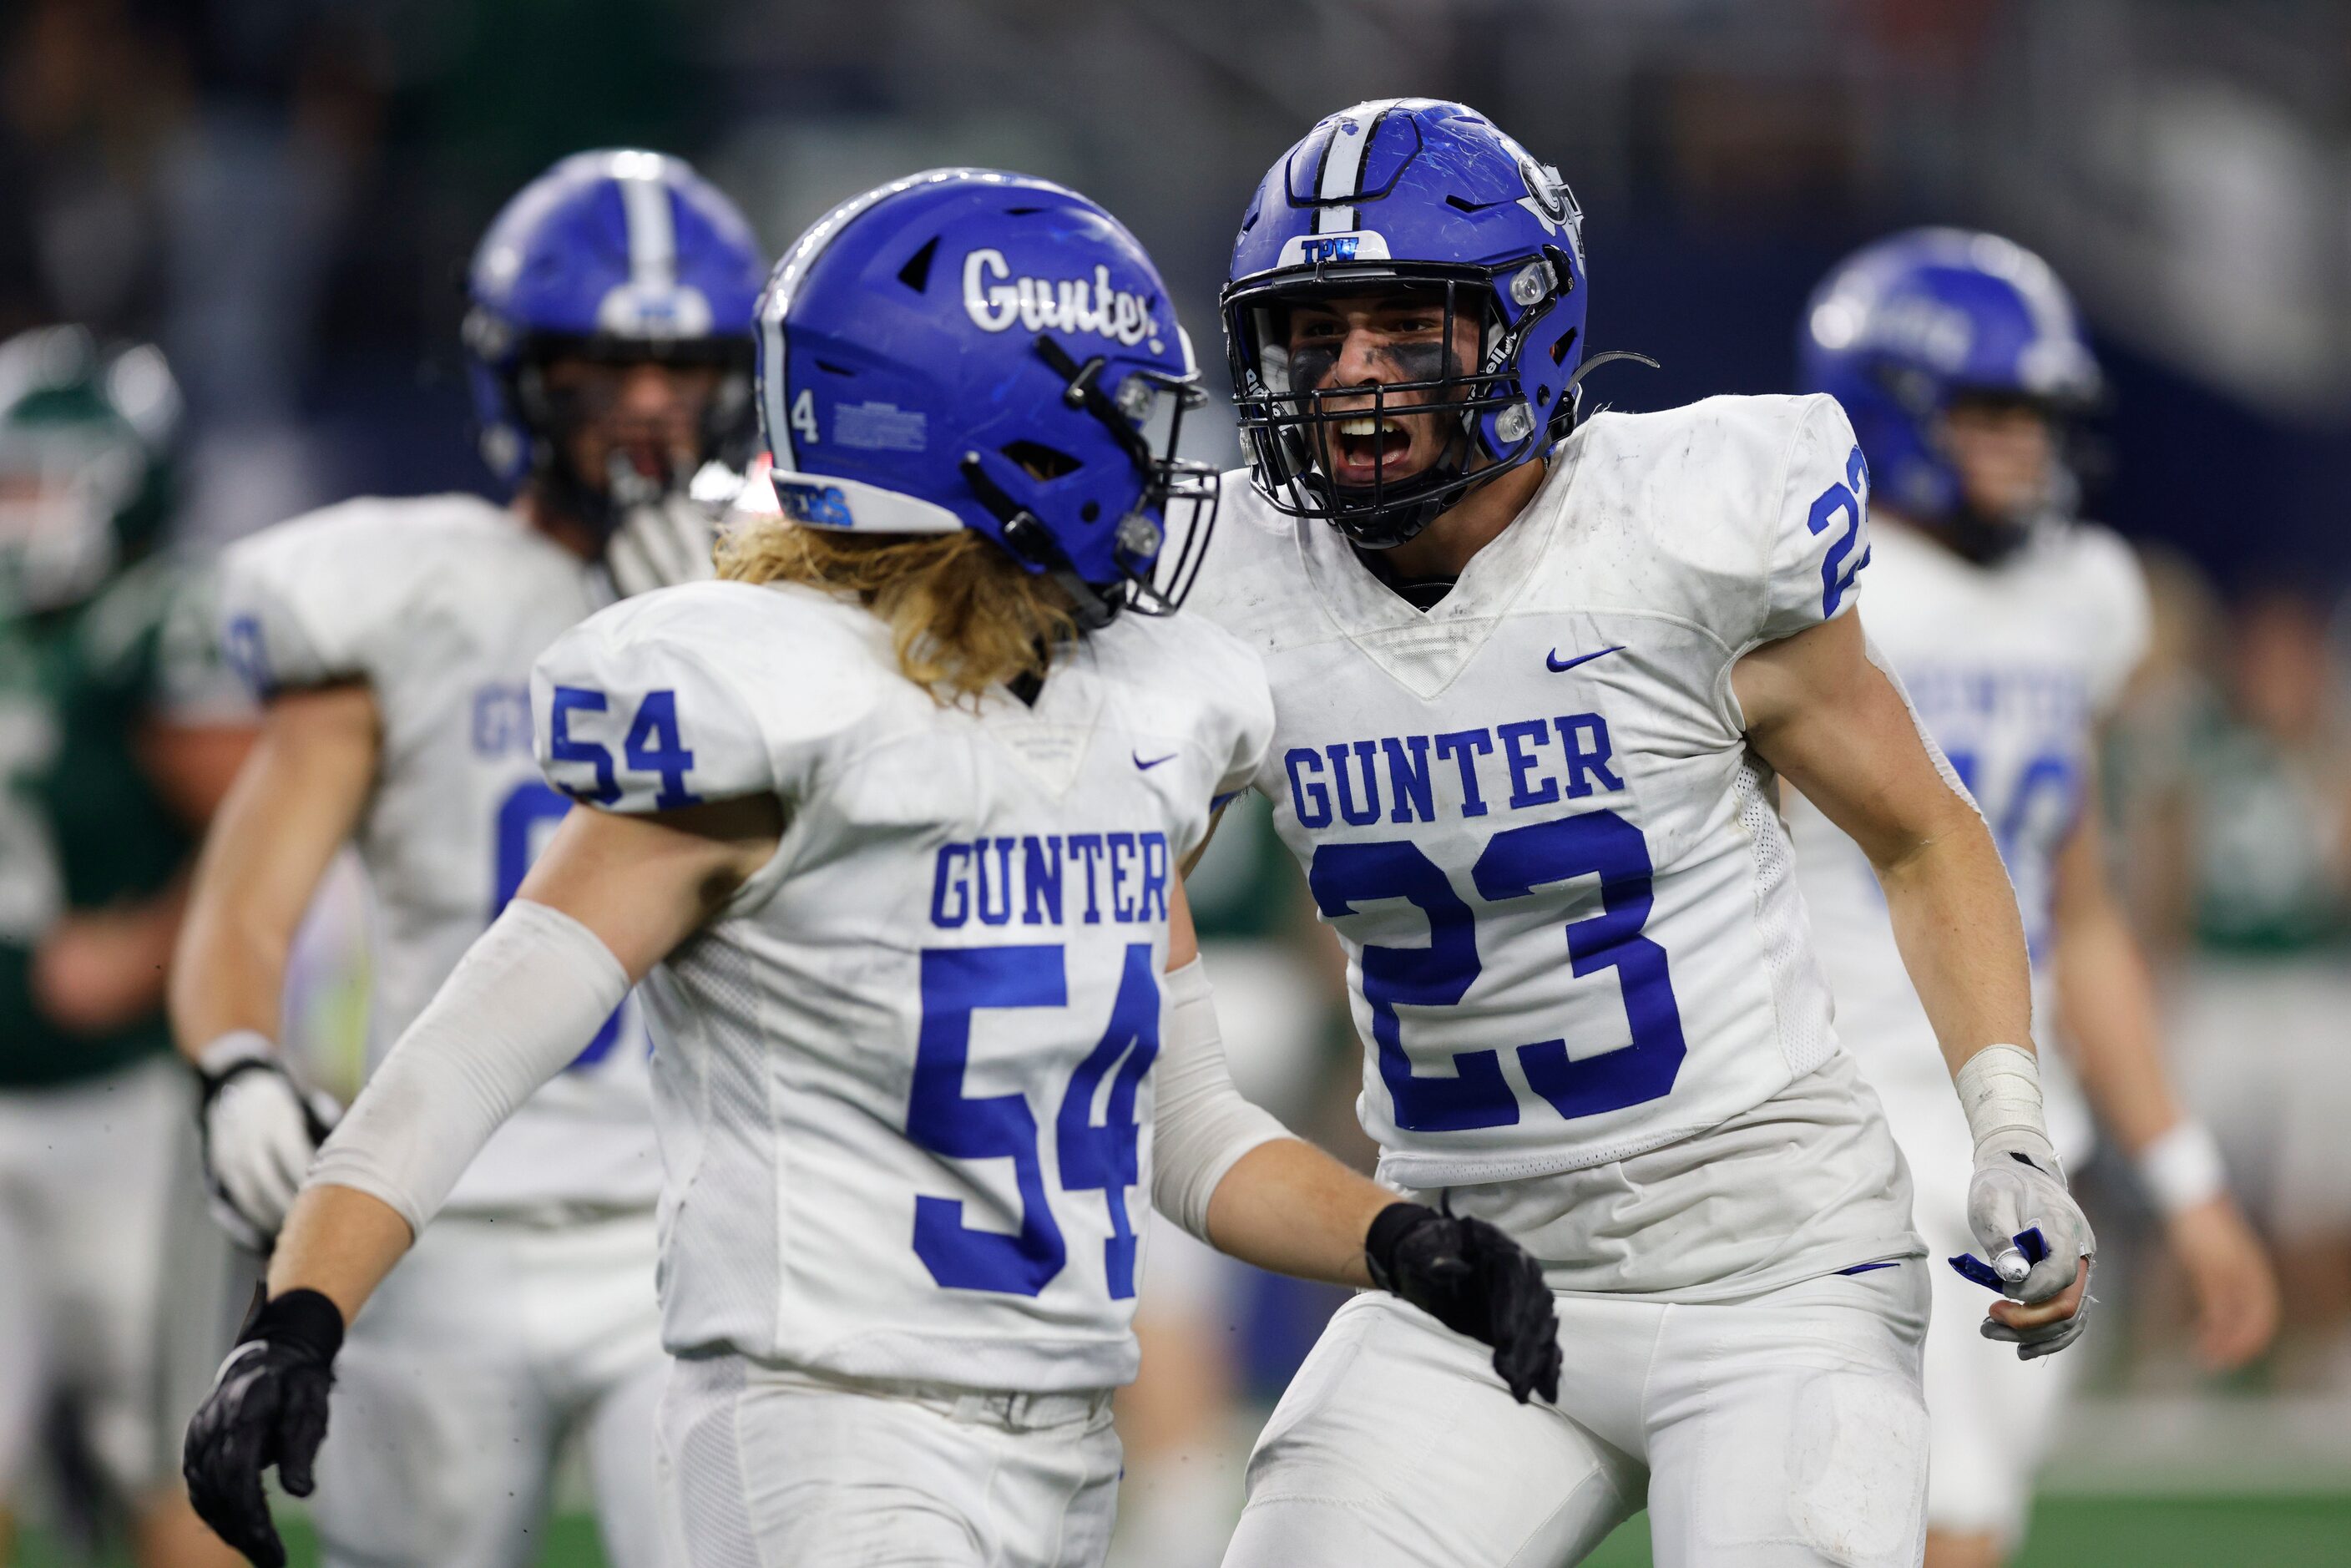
1532	678
610	360
2013	626
118	735
896	812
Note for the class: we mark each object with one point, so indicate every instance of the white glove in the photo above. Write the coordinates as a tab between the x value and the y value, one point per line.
660	544
261	1131
2018	1205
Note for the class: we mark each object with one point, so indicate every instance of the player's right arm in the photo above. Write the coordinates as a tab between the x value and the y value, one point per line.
293	804
609	899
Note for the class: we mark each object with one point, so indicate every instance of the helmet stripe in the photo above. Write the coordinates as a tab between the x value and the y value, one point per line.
653	231
1341	174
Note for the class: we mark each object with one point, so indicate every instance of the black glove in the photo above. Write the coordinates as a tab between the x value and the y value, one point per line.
1475	1281
267	1407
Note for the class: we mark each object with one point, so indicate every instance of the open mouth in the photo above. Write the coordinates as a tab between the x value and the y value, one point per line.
1364	444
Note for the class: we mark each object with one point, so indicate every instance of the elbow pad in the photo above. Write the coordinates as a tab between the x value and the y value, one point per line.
519	1008
1200	1124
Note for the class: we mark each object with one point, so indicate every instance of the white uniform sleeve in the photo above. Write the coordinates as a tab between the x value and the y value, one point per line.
519	1008
1816	537
712	691
313	601
1251	736
1200	1125
2124	620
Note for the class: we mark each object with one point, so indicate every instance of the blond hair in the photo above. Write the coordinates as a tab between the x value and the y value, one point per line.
964	617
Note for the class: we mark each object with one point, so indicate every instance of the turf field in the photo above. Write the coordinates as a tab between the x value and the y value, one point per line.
2067	1532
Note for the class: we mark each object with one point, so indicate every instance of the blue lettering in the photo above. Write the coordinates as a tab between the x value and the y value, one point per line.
823	505
1408	779
1121	866
1317	814
1586	757
996	910
1088	847
1044	877
1155	863
1532	731
1369	811
952	876
501	720
1462	744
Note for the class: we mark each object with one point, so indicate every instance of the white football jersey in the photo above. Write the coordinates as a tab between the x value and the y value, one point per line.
440	604
1530	814
903	1080
2011	668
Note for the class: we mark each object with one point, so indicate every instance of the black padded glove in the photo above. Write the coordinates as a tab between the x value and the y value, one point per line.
267	1407
1475	1281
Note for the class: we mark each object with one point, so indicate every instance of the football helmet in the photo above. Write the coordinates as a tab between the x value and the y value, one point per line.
968	349
620	256
1397	194
86	436
1904	328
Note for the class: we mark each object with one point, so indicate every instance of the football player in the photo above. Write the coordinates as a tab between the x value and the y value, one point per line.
1533	676
119	734
610	360
892	819
1960	361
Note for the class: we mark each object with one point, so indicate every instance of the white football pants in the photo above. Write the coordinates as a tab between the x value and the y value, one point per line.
1782	1431
87	1172
766	1468
489	1345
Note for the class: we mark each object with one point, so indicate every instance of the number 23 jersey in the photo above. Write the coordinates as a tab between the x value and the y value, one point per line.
902	1083
1530	814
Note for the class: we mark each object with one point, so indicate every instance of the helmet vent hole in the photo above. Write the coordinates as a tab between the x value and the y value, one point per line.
829	368
1559	350
916	274
1090	511
1462	205
1039	461
1021	211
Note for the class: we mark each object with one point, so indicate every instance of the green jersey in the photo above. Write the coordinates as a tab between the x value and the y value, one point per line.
82	826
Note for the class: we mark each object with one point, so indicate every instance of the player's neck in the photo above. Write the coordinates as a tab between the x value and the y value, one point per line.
558	525
1443	547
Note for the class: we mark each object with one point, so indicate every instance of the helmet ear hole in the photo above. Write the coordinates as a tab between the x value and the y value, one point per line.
916	274
1041	461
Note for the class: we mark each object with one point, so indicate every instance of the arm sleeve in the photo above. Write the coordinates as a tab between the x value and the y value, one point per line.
1200	1125
522	1004
1817	536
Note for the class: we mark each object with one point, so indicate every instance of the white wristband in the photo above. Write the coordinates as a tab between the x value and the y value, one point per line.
2000	1090
2182	1168
236	1046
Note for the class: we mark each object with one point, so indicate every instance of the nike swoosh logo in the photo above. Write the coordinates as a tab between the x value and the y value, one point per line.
1154	762
1558	663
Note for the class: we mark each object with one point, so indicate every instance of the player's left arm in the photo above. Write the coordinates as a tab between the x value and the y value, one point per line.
1233	1175
1818	709
2106	1004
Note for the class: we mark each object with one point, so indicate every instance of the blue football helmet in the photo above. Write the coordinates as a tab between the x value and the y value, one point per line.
1902	328
1406	194
967	348
617	255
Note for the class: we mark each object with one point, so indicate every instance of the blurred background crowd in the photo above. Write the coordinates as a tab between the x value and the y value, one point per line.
279	195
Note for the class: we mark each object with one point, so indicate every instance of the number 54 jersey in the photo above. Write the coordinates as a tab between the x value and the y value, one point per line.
904	1079
1530	814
